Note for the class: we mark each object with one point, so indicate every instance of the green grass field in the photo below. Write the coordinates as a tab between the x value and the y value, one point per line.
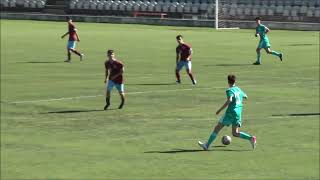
53	126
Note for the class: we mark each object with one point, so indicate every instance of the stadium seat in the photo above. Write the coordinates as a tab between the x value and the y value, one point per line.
173	8
158	7
317	13
232	12
247	11
136	7
286	12
187	8
255	10
279	9
114	6
18	2
303	10
263	12
270	12
100	6
180	7
151	7
165	7
203	6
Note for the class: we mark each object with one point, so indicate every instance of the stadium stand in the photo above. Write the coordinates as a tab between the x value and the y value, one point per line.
275	10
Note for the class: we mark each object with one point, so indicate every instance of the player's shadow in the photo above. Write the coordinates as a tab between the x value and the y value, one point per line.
153	84
302	44
215	148
76	111
298	114
41	62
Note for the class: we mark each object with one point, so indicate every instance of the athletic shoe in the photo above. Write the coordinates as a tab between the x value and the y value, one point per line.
81	57
194	83
178	82
68	60
106	106
253	142
280	56
121	106
203	145
256	63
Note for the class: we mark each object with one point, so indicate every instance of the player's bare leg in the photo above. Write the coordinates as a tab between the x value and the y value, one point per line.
178	76
269	51
236	133
77	53
107	100
194	82
258	62
122	100
69	55
212	137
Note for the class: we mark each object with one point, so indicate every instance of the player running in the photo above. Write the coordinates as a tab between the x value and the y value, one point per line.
183	59
232	115
114	70
73	37
261	31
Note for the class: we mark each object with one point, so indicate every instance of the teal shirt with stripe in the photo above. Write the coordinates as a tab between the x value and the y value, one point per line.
261	30
235	106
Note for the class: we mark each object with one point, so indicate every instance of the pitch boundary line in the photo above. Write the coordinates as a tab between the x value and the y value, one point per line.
93	96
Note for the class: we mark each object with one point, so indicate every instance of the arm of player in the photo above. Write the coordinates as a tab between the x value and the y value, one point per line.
190	53
106	75
228	101
267	30
177	58
78	39
64	35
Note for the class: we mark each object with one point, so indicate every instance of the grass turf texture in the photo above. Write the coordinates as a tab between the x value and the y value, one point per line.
155	135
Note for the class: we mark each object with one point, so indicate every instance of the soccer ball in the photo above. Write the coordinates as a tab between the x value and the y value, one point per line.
226	140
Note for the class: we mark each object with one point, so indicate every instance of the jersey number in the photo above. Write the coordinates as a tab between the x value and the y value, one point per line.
237	96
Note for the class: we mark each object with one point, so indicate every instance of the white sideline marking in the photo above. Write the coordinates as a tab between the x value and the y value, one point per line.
141	92
92	96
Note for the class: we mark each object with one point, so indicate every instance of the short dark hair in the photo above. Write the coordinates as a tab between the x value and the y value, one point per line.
257	18
68	18
179	37
110	51
231	79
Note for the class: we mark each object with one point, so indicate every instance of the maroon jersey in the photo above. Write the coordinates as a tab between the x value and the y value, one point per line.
114	67
72	32
184	50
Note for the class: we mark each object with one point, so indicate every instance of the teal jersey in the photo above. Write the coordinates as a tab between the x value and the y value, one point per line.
237	97
261	30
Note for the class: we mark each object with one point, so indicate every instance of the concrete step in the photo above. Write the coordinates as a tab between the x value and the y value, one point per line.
55	6
54	11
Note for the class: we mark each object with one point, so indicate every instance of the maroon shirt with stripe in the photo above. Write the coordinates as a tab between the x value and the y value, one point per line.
114	66
72	32
184	50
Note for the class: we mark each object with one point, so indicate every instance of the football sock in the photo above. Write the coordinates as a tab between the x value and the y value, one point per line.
259	57
245	136
107	100
275	53
178	76
192	78
211	138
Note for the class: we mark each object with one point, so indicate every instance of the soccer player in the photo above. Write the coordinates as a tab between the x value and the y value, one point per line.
114	70
73	37
183	59
261	31
232	115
